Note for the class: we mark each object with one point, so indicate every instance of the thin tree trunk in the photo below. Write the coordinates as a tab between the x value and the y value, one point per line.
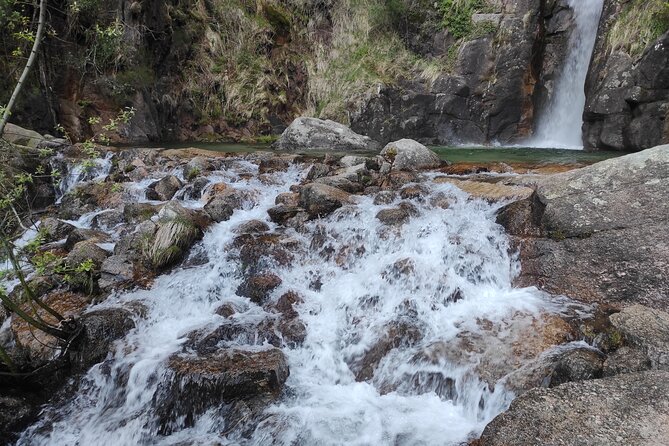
26	69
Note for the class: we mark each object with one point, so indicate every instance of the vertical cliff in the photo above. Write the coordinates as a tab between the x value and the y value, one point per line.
627	90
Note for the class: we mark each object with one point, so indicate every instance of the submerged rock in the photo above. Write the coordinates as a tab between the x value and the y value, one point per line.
316	134
630	409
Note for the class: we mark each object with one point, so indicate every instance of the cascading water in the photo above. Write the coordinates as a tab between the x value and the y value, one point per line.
388	313
560	124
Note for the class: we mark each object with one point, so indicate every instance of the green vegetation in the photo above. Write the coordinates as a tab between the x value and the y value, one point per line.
458	18
640	23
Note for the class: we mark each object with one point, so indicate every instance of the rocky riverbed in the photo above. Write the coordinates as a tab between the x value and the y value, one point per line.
348	299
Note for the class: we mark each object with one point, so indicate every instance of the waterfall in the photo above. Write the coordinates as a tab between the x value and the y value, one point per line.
400	323
560	124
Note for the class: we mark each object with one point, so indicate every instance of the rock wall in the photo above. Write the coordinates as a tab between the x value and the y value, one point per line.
627	95
498	82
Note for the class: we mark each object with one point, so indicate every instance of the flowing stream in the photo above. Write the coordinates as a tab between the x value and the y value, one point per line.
561	122
403	326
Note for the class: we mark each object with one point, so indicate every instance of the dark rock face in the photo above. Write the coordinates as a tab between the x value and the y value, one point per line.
598	234
489	96
627	99
199	383
100	329
629	409
15	414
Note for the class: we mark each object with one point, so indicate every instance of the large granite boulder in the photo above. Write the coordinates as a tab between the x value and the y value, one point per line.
631	409
646	331
598	234
407	154
316	134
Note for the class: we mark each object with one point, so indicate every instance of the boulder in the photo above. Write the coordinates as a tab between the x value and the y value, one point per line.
164	189
116	272
15	413
647	330
222	202
258	287
320	199
100	328
177	229
81	234
252	227
22	137
55	229
598	234
407	154
134	213
630	409
196	384
316	134
84	251
397	216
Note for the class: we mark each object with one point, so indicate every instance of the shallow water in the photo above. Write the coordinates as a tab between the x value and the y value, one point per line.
444	276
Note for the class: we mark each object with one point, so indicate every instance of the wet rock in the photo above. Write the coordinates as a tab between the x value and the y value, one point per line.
341	182
259	287
197	166
629	409
199	383
286	304
39	347
258	252
385	197
133	244
320	200
408	154
291	199
316	134
647	330
80	234
252	227
397	334
600	241
84	251
138	212
397	216
224	201
272	165
100	329
491	192
116	272
108	219
16	412
626	360
352	160
317	170
415	192
164	189
177	229
282	213
55	229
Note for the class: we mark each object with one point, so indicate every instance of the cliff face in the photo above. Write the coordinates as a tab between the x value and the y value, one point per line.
451	71
627	89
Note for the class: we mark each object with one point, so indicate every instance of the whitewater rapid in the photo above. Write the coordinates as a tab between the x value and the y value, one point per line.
444	276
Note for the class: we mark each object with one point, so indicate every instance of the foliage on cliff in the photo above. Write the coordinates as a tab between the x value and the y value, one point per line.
640	23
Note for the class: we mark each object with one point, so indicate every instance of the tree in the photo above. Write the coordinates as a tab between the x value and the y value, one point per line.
26	70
